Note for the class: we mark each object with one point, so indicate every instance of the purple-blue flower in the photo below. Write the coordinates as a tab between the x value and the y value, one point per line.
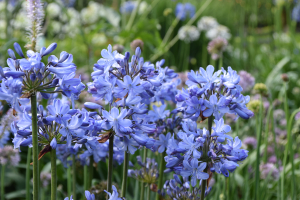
194	170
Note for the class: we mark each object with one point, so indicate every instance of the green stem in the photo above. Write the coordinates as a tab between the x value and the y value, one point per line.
291	155
125	173
220	64
28	169
170	31
143	184
267	132
53	174
259	132
148	192
132	16
161	171
204	53
2	181
69	181
35	148
85	177
206	146
74	176
90	173
110	164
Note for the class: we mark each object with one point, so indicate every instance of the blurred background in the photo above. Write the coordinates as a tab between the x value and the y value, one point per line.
259	38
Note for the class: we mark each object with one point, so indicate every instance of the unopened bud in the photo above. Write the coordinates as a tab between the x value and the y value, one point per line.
285	77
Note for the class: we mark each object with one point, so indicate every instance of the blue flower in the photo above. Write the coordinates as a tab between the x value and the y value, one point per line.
184	10
58	111
194	170
114	195
102	88
158	113
89	196
109	59
120	125
220	130
189	144
216	107
69	126
163	142
128	85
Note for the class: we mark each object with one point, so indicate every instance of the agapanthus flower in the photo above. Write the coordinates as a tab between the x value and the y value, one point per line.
183	11
114	195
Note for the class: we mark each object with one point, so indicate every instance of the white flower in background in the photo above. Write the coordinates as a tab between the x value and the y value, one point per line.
53	10
110	15
143	7
206	23
90	14
188	33
99	39
55	27
282	37
219	31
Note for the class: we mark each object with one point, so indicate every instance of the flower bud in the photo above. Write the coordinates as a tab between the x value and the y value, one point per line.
135	44
53	143
119	48
285	77
260	88
19	50
50	48
11	54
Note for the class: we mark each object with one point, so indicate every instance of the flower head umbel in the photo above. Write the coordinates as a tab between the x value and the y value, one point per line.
188	33
216	47
9	156
210	94
183	11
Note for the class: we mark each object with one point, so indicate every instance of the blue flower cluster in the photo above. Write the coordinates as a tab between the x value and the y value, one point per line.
183	11
183	191
128	87
194	153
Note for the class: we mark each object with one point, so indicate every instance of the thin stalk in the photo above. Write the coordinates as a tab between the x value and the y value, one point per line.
110	164
69	181
170	31
220	64
291	155
125	173
28	169
136	190
35	148
143	184
74	176
85	177
148	192
204	53
267	132
2	181
259	132
53	174
132	16
153	4
161	171
206	146
90	173
123	18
